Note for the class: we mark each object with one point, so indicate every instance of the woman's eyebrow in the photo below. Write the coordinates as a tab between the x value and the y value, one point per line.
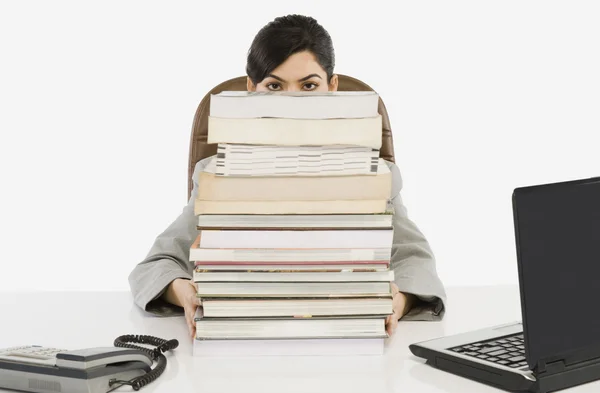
275	77
308	77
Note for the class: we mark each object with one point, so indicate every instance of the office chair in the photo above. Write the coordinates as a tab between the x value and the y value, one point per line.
199	149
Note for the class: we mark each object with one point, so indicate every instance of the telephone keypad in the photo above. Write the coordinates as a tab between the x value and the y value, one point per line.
31	354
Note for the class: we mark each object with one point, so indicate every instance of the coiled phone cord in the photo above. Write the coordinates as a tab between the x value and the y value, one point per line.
155	354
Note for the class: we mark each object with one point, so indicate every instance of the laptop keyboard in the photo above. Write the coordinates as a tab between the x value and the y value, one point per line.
508	351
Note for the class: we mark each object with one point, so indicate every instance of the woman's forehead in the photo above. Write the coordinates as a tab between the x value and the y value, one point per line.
298	66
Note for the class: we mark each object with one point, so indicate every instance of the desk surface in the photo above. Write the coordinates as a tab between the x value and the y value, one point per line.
75	320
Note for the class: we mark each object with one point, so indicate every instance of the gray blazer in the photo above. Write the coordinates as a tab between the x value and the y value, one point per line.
413	261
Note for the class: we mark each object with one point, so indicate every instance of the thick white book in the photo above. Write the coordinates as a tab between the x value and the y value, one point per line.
239	347
299	347
295	105
350	238
267	160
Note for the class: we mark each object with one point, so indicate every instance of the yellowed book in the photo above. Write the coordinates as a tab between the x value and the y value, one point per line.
294	188
367	206
296	132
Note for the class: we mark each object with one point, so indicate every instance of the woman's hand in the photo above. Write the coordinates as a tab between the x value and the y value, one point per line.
401	304
183	292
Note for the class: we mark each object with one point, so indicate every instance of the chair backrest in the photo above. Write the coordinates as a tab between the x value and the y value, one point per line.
199	149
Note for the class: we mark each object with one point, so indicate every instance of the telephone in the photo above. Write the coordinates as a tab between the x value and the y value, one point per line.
34	368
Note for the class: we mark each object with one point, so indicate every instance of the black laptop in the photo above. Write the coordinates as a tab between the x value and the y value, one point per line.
557	344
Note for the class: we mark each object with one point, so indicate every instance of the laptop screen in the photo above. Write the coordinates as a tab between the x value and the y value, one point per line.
557	230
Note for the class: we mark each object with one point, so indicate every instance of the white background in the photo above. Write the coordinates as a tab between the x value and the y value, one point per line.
97	101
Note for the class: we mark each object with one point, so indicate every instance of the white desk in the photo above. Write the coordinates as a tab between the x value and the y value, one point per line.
75	320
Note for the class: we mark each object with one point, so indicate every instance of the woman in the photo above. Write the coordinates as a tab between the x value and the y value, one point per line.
292	53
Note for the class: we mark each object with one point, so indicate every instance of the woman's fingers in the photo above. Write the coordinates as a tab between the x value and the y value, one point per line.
192	301
398	303
190	312
391	323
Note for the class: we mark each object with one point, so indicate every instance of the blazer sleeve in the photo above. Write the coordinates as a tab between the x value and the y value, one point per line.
167	259
413	261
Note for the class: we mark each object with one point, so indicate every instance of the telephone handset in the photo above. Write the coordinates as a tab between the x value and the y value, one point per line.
95	370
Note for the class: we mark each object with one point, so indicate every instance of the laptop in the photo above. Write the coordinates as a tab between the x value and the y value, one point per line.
556	345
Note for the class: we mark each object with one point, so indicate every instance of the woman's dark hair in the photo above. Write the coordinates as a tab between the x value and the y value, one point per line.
285	36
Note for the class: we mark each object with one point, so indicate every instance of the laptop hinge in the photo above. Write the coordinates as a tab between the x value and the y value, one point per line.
550	368
570	360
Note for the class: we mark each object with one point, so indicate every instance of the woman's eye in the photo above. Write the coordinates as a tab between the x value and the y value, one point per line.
273	86
310	86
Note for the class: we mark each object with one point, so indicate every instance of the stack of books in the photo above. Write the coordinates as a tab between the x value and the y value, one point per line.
295	226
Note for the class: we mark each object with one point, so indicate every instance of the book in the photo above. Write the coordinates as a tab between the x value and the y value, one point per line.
294	188
284	256
298	221
287	255
357	206
200	275
372	238
295	105
335	347
293	289
255	308
290	328
289	267
260	160
293	132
